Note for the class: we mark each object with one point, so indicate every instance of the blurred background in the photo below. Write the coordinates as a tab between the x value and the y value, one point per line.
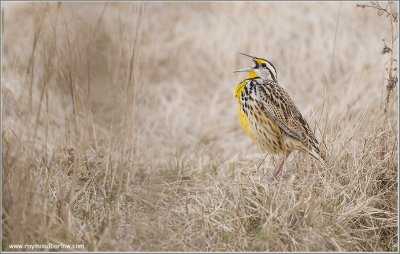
117	93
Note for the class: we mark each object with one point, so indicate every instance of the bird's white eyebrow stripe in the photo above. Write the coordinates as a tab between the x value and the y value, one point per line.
271	70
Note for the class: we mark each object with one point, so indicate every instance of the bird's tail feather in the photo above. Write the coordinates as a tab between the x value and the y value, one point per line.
316	153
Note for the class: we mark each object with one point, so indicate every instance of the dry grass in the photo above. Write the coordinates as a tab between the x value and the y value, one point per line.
119	128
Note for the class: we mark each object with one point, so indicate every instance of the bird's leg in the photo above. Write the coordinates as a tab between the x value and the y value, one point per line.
278	167
279	164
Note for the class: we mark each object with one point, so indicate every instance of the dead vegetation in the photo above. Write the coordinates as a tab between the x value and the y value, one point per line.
119	127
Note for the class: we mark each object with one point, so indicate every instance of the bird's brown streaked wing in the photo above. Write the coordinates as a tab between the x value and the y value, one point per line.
276	104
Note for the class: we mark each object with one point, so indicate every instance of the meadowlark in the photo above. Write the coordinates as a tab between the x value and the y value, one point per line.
270	117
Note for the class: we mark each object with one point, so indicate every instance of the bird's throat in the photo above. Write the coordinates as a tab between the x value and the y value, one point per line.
252	74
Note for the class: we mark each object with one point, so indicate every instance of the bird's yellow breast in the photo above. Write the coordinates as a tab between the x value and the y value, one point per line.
245	122
239	89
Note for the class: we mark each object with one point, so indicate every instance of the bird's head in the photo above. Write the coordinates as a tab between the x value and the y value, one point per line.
263	69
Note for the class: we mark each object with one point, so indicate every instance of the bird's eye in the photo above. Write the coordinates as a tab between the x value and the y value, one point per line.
263	65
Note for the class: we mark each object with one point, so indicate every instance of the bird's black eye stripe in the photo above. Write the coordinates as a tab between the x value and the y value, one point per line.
272	75
263	65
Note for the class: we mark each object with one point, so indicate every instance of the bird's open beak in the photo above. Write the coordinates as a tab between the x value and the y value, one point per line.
244	70
247	69
253	57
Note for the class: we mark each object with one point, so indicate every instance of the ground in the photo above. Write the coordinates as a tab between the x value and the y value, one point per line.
120	128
